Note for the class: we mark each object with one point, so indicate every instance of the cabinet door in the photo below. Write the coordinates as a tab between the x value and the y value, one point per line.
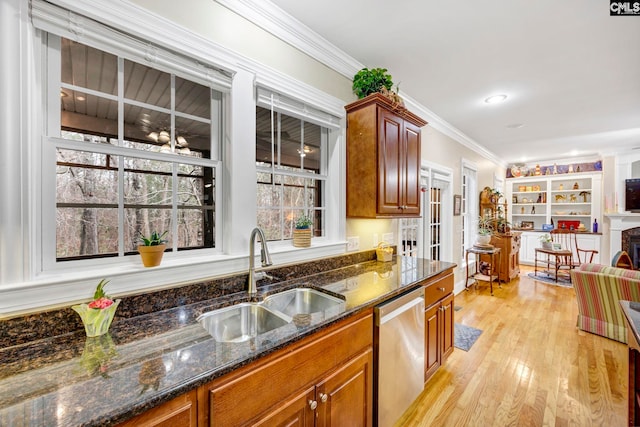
180	411
432	340
390	162
294	412
447	326
344	397
411	178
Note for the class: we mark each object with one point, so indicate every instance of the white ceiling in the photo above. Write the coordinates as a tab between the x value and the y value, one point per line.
571	71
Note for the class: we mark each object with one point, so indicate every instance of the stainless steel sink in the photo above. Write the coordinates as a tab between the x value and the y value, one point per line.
241	322
304	301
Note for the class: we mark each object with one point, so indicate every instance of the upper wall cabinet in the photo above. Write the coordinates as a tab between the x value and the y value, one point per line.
383	159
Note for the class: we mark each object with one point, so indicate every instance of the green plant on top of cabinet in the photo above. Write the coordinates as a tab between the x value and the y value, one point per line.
383	159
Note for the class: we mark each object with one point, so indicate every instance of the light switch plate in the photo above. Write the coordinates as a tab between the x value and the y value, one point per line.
353	243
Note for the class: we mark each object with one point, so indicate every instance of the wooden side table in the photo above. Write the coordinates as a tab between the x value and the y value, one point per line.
494	269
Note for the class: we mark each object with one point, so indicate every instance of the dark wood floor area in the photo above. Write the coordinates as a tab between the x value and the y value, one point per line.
529	367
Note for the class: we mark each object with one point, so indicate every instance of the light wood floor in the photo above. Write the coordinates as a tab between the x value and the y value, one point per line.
529	367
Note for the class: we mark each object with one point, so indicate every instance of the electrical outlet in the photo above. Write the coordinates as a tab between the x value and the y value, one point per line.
353	243
388	238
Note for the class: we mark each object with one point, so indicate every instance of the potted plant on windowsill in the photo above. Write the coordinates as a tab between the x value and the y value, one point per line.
152	248
302	232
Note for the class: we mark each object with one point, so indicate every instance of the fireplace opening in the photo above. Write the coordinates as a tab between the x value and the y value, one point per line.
631	244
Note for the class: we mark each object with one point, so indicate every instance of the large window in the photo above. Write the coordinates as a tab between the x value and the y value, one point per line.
136	151
291	169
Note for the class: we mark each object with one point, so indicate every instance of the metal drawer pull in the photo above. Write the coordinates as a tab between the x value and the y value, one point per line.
313	405
441	289
323	397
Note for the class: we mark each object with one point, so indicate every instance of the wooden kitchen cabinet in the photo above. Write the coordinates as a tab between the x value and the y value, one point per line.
383	159
325	379
438	316
180	411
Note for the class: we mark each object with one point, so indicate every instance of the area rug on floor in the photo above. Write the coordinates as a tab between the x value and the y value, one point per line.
464	336
548	278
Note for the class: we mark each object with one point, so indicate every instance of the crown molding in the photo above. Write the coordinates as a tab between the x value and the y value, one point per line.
284	26
270	17
447	129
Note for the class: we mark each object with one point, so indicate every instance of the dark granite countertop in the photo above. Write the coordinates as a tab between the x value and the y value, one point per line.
631	310
71	380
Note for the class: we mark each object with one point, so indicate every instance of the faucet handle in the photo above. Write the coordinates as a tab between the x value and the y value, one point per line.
264	275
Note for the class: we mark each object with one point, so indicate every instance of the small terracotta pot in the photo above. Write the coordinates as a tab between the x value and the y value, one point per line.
151	255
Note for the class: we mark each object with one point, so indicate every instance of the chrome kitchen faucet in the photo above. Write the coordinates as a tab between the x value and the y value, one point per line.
265	258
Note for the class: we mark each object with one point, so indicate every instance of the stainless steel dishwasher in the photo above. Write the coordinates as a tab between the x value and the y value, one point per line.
399	341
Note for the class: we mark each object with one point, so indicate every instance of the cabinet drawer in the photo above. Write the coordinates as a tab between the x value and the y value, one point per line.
438	289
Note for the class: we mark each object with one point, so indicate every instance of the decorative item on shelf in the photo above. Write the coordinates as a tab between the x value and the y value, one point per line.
98	314
595	225
302	232
560	198
533	210
570	169
576	186
522	188
514	199
547	227
546	241
537	171
581	227
526	225
573	198
384	252
584	195
555	169
152	248
535	188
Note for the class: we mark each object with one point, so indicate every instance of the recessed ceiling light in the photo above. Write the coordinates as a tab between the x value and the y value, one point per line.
80	98
495	99
515	125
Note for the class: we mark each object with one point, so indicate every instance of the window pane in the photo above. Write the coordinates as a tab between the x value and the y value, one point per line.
146	84
144	126
145	220
269	220
193	134
193	98
88	67
145	183
269	195
86	231
90	114
87	178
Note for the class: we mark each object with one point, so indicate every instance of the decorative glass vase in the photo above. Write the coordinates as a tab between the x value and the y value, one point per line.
96	321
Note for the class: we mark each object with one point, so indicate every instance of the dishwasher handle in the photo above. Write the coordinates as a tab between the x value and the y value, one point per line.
386	317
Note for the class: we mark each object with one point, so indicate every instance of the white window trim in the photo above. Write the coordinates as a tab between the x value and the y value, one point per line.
28	287
472	206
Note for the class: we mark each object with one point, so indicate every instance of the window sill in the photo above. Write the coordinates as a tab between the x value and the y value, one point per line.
61	288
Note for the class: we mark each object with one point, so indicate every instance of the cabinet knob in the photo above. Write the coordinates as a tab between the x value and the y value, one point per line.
313	405
323	397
